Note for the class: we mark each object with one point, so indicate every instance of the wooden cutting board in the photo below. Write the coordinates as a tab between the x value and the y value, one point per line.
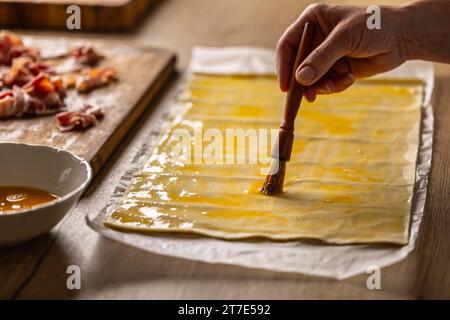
142	73
96	15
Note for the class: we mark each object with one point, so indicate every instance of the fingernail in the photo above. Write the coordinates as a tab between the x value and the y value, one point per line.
306	74
325	89
349	79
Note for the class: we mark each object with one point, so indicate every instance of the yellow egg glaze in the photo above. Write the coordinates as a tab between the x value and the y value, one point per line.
350	178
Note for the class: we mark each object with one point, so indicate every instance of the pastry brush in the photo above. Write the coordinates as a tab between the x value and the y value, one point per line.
282	148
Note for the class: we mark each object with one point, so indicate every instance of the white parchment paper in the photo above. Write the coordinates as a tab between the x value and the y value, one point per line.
308	257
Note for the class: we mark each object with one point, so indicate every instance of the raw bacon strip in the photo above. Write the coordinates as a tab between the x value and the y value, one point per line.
94	78
11	46
23	70
79	120
86	55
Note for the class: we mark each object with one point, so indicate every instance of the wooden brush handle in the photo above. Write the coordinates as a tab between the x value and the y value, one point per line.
296	90
294	95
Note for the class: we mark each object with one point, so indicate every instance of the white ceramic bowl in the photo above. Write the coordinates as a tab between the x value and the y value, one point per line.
51	169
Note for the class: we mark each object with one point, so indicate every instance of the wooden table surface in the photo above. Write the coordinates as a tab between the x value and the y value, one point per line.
109	269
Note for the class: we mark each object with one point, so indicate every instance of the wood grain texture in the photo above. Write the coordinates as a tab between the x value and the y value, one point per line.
113	270
434	240
96	15
141	75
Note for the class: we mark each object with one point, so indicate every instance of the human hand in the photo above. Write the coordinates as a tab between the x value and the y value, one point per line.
345	48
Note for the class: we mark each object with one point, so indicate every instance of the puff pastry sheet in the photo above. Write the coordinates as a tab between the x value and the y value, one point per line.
350	179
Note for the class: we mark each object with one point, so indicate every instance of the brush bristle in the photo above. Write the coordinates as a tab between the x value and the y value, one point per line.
273	183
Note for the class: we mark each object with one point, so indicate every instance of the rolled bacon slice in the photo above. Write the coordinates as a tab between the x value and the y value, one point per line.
40	96
44	85
18	103
93	78
11	47
7	104
23	70
86	55
81	119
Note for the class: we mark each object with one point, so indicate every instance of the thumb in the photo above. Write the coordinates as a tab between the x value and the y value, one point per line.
321	59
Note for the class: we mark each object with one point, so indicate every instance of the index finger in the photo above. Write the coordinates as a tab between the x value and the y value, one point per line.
287	46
